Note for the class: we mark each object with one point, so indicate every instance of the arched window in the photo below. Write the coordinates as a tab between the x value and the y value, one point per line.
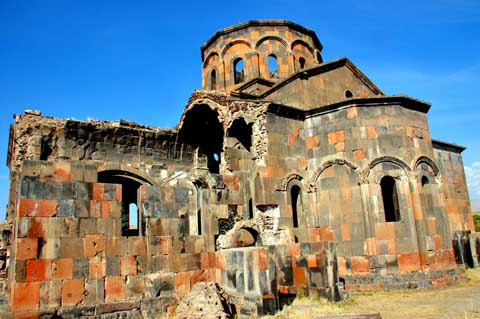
390	199
301	61
213	80
425	181
133	216
348	94
272	65
131	219
296	202
238	70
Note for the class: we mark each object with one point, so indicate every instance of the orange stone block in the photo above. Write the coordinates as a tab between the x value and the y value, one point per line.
97	268
26	207
197	276
332	138
385	231
359	154
295	131
372	248
299	278
283	289
105	209
262	259
93	245
98	190
182	283
409	262
342	266
340	135
47	207
62	172
291	140
36	227
38	269
219	261
26	296
37	207
72	292
359	265
371	132
310	142
118	193
326	234
204	261
312	261
26	248
128	265
114	289
62	268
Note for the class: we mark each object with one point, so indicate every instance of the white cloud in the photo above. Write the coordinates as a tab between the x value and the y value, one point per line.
473	180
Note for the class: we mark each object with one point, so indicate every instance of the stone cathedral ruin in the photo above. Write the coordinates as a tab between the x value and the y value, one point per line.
285	175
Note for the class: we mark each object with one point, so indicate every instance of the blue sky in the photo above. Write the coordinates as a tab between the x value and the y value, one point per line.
140	60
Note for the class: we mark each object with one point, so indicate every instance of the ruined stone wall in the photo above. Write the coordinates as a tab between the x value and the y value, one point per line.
150	152
70	256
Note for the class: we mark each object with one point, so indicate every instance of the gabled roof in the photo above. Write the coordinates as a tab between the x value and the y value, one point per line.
322	68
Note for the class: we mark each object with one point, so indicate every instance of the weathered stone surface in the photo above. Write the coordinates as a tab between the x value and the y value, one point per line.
205	300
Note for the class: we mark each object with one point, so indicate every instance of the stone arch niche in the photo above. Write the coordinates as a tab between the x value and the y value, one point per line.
432	207
202	130
303	54
339	202
273	47
390	173
132	222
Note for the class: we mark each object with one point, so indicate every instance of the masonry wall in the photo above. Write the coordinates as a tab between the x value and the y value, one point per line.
454	190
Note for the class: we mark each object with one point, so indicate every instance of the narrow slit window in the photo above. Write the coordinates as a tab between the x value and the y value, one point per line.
238	69
272	65
132	216
301	61
390	199
213	80
296	201
425	181
199	222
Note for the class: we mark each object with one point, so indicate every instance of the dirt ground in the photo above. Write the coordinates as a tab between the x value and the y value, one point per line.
459	301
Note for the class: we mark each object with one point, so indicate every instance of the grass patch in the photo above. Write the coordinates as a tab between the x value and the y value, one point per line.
458	301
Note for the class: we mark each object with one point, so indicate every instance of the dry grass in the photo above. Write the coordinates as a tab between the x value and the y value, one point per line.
459	301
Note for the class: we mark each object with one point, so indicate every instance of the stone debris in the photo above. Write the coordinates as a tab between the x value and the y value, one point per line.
204	301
